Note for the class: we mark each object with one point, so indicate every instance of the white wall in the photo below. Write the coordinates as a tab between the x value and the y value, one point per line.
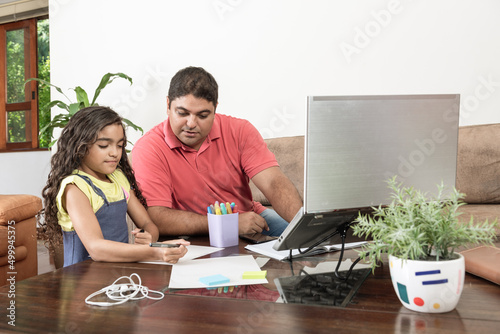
24	172
268	55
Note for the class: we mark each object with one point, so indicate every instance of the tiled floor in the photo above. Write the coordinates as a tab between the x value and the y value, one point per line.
45	263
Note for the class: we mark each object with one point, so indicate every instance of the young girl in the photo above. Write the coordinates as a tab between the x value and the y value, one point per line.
91	188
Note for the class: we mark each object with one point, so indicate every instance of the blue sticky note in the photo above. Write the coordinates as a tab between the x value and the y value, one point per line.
214	280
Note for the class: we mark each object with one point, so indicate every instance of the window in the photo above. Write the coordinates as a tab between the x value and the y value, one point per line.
18	101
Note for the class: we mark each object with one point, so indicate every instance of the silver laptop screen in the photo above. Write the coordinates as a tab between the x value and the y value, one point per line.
354	144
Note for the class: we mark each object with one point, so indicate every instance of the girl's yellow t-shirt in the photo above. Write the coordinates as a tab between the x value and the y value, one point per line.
114	191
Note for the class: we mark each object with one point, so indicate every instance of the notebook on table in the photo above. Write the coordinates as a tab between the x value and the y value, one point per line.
483	261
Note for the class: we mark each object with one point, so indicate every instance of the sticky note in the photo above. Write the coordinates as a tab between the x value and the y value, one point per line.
214	280
255	274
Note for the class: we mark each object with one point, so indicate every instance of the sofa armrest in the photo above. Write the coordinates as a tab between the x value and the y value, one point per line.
18	207
18	236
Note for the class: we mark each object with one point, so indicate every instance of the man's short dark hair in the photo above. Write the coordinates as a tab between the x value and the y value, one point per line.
195	81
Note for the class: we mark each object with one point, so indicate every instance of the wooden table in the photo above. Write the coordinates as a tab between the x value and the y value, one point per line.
55	303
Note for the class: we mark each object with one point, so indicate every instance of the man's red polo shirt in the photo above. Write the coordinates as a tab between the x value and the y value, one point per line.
173	175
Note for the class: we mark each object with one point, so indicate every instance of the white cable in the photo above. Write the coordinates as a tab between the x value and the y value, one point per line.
123	292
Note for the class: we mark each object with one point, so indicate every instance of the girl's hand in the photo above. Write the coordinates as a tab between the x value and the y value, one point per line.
172	255
142	237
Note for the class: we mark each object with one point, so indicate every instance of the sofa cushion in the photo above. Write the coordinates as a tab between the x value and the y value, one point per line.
478	163
18	207
289	152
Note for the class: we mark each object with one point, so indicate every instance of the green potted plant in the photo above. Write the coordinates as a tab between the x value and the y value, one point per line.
421	234
82	101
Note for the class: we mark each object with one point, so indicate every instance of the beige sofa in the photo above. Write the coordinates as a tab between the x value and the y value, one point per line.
478	169
478	172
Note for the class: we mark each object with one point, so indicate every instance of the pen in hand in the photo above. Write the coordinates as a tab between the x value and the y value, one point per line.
160	244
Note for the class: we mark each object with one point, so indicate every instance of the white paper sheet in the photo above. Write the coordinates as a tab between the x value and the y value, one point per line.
186	275
193	252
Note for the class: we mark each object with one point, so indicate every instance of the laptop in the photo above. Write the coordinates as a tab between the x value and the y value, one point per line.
354	144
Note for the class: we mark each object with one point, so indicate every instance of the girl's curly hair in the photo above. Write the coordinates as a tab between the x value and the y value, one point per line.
77	137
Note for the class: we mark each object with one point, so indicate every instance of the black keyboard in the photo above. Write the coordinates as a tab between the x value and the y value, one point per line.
321	289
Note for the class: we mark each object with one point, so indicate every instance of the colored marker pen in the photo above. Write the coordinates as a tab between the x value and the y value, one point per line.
228	208
217	208
223	209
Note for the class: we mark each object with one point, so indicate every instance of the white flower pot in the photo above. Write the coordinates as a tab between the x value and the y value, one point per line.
428	286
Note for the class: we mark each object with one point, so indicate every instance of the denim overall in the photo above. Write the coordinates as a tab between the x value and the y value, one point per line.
112	218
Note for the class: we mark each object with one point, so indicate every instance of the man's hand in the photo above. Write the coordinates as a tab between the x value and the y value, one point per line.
250	222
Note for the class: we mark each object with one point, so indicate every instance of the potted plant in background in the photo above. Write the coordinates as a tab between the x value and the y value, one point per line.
59	121
420	235
82	101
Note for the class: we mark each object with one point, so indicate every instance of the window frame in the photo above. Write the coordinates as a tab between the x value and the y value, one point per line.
31	90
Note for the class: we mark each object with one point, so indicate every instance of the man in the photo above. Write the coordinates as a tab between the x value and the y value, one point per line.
197	157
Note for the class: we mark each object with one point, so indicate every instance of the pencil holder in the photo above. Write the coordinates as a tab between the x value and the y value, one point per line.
223	230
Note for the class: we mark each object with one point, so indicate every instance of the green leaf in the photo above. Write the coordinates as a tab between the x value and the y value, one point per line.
48	84
52	142
57	103
59	121
81	96
74	107
107	79
133	126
